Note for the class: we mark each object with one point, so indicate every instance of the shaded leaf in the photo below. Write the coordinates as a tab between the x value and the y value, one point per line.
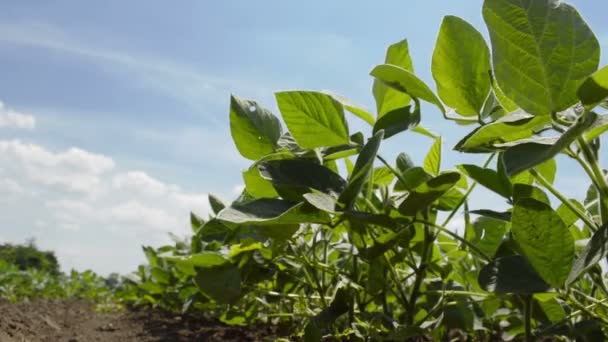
596	249
544	239
511	274
525	156
361	170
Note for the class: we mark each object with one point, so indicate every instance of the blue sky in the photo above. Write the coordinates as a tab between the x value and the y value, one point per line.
123	105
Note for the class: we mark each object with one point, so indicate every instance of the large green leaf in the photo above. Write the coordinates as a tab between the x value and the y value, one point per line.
511	274
314	119
255	130
515	126
405	81
527	155
488	178
595	88
387	99
596	249
267	211
426	193
362	169
432	161
461	64
544	239
220	283
542	51
297	176
398	120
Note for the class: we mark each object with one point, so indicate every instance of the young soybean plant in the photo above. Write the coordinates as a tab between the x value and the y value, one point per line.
366	245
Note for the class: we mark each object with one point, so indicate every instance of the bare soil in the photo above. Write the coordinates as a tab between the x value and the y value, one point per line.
77	321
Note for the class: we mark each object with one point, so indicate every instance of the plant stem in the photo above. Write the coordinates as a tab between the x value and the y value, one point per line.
600	179
545	183
421	271
528	318
466	195
457	237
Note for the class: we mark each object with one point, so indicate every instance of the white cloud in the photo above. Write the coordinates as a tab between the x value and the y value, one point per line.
14	119
81	205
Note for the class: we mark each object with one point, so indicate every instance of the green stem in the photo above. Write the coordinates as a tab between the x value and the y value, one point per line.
528	318
600	179
545	183
457	237
421	271
466	195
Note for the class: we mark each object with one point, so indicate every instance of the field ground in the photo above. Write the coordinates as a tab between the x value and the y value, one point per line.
77	321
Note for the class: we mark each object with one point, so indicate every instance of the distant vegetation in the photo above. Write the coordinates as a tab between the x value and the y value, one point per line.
28	256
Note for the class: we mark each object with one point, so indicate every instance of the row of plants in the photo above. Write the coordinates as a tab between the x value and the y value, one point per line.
336	240
17	284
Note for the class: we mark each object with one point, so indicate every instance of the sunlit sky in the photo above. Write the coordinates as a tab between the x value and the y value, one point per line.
114	115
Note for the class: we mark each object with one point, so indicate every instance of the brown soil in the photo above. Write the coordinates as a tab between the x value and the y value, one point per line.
64	321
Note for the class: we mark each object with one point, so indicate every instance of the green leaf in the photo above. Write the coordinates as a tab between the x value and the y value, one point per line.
600	125
255	130
195	221
544	239
354	109
321	201
405	81
432	161
568	216
511	274
203	259
596	250
426	193
521	191
257	186
314	119
387	99
267	211
397	121
504	101
216	203
294	177
492	110
595	89
220	283
542	51
362	169
515	126
548	170
489	233
461	61
404	162
412	178
528	155
487	178
551	308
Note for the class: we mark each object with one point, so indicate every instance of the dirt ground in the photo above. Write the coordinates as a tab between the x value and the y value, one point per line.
61	321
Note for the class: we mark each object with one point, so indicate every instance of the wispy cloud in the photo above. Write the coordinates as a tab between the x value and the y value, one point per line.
183	82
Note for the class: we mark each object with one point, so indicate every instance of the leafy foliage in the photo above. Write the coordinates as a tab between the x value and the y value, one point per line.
367	250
